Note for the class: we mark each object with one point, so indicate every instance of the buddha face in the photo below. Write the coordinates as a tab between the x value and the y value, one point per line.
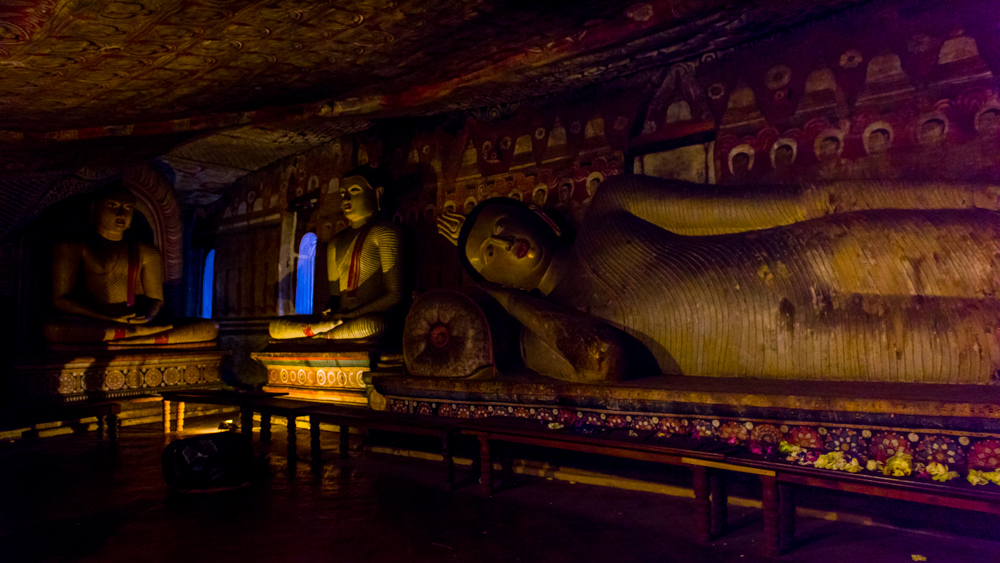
878	141
988	123
113	214
510	246
931	132
741	164
829	148
359	200
783	157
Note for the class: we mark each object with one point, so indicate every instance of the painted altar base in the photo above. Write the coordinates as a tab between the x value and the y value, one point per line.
323	371
951	424
67	374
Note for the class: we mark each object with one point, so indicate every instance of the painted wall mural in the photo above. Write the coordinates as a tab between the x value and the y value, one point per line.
909	93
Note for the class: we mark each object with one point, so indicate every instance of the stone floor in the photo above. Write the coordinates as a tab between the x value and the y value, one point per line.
72	499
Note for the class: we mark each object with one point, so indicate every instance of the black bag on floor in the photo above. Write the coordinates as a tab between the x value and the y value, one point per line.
208	462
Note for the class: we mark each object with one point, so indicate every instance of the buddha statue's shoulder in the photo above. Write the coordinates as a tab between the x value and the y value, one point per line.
386	231
148	250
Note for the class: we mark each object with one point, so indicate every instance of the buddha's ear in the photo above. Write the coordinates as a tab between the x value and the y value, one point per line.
379	191
537	209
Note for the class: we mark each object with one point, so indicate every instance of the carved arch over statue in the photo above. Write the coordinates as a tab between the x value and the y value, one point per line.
158	201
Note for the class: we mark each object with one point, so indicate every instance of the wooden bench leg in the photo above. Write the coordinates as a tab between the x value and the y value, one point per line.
507	467
786	501
180	416
292	447
315	446
702	504
345	442
113	429
166	417
246	422
449	460
485	466
772	515
265	428
720	505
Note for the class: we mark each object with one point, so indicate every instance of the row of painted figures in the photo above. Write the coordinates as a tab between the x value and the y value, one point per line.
877	154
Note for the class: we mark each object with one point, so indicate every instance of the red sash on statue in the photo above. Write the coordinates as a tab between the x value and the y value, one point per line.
354	274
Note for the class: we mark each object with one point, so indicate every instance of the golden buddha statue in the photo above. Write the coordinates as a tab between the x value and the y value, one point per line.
364	268
107	287
863	281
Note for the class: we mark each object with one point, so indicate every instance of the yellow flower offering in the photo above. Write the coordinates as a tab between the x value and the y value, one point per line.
899	465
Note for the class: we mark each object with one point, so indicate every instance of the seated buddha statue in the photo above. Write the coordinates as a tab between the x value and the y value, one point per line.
108	287
364	269
863	281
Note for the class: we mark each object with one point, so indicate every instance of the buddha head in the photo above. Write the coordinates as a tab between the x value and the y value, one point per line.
113	209
361	191
505	242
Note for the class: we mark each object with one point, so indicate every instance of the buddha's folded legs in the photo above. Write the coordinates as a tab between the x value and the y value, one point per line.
79	330
367	326
302	326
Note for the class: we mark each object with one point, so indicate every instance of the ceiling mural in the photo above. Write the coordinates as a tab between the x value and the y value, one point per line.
247	82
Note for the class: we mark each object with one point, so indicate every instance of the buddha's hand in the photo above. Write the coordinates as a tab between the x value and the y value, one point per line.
450	225
129	319
330	314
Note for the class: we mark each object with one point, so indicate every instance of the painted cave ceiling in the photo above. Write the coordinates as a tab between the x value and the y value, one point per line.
218	88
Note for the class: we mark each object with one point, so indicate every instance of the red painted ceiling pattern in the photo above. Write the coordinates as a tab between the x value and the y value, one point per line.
80	63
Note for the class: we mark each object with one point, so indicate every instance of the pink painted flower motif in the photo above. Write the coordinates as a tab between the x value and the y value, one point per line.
888	444
424	409
398	406
446	409
615	421
733	432
805	437
566	417
985	454
521	412
642	423
766	433
670	425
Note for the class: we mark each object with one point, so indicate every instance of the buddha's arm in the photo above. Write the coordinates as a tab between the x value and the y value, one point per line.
66	258
151	278
332	276
389	241
699	209
566	343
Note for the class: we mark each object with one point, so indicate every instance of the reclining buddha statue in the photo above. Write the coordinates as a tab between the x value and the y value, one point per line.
862	281
364	268
108	287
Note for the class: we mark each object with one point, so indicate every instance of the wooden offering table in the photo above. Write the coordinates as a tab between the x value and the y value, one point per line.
347	417
709	485
267	404
106	412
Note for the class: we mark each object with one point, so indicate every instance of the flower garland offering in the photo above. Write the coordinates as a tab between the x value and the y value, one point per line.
983	477
838	462
899	465
939	472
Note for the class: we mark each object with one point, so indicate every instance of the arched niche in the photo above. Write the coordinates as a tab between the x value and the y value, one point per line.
157	201
66	214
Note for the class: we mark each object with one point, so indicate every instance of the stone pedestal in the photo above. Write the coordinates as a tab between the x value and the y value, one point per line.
323	371
73	374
